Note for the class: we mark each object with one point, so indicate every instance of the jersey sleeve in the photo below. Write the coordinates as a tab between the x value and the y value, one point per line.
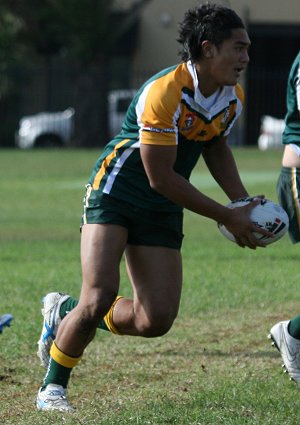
158	110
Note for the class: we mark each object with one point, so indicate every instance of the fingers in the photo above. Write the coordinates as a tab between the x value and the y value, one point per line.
259	197
248	233
250	237
262	231
256	201
250	241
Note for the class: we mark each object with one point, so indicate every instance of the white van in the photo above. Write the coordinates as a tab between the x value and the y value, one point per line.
46	129
118	102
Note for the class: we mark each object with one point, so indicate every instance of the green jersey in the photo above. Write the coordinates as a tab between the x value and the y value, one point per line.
291	132
168	110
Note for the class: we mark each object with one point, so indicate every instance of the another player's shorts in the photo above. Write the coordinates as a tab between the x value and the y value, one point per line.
288	192
150	228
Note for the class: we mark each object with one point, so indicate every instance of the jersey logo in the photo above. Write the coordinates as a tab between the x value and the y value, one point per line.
202	133
189	121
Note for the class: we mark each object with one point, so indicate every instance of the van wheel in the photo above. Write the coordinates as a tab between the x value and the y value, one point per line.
48	141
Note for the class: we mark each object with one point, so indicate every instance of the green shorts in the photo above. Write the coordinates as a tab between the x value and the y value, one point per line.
150	228
288	192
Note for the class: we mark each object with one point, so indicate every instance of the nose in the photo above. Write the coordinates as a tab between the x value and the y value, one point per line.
245	56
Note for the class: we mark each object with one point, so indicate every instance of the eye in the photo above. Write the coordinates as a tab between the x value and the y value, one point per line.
241	49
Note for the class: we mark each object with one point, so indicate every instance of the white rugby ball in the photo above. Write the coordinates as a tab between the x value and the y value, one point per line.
267	215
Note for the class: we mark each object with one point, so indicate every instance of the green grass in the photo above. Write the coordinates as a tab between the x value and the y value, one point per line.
215	366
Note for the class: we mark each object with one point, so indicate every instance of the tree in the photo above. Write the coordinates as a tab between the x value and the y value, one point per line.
11	56
87	32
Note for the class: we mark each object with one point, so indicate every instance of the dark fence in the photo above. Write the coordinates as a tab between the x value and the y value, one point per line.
272	51
57	87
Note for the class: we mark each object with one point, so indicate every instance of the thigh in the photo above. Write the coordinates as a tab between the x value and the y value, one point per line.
102	247
156	278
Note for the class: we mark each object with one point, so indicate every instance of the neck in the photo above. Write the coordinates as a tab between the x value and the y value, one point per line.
207	85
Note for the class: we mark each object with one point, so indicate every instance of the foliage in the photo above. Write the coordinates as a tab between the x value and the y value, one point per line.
10	53
81	36
9	28
88	29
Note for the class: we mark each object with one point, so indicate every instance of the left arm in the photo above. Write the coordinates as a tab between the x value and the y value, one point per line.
222	166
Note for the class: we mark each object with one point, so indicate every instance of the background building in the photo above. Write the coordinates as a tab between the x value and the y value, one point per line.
274	29
54	79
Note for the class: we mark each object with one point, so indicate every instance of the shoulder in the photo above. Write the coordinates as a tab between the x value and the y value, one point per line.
171	80
297	59
294	72
164	90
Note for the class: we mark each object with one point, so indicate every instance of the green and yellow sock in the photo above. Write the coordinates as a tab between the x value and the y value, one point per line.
60	368
67	306
108	318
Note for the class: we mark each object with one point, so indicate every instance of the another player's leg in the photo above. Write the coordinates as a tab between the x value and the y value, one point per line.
286	334
286	338
288	192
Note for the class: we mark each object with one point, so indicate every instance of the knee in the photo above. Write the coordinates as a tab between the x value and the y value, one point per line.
156	325
93	310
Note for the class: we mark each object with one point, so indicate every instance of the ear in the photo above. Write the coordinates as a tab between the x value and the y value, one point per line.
208	49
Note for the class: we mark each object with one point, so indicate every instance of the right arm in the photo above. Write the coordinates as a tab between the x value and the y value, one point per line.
159	162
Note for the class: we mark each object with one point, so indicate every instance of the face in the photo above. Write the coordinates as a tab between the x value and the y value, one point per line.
225	64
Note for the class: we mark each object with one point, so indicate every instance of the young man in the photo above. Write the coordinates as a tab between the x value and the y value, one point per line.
286	334
137	192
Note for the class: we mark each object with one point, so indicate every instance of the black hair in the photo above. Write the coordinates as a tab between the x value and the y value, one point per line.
208	21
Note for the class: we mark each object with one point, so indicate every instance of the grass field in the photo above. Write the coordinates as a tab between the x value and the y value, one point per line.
215	366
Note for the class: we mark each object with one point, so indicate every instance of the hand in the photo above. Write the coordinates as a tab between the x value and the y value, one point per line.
240	225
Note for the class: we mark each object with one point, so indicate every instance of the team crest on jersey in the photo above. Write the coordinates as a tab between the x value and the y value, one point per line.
189	121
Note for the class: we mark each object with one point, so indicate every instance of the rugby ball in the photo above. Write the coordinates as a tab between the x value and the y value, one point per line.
267	215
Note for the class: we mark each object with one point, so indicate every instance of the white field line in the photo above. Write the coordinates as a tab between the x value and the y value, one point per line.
201	180
206	181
